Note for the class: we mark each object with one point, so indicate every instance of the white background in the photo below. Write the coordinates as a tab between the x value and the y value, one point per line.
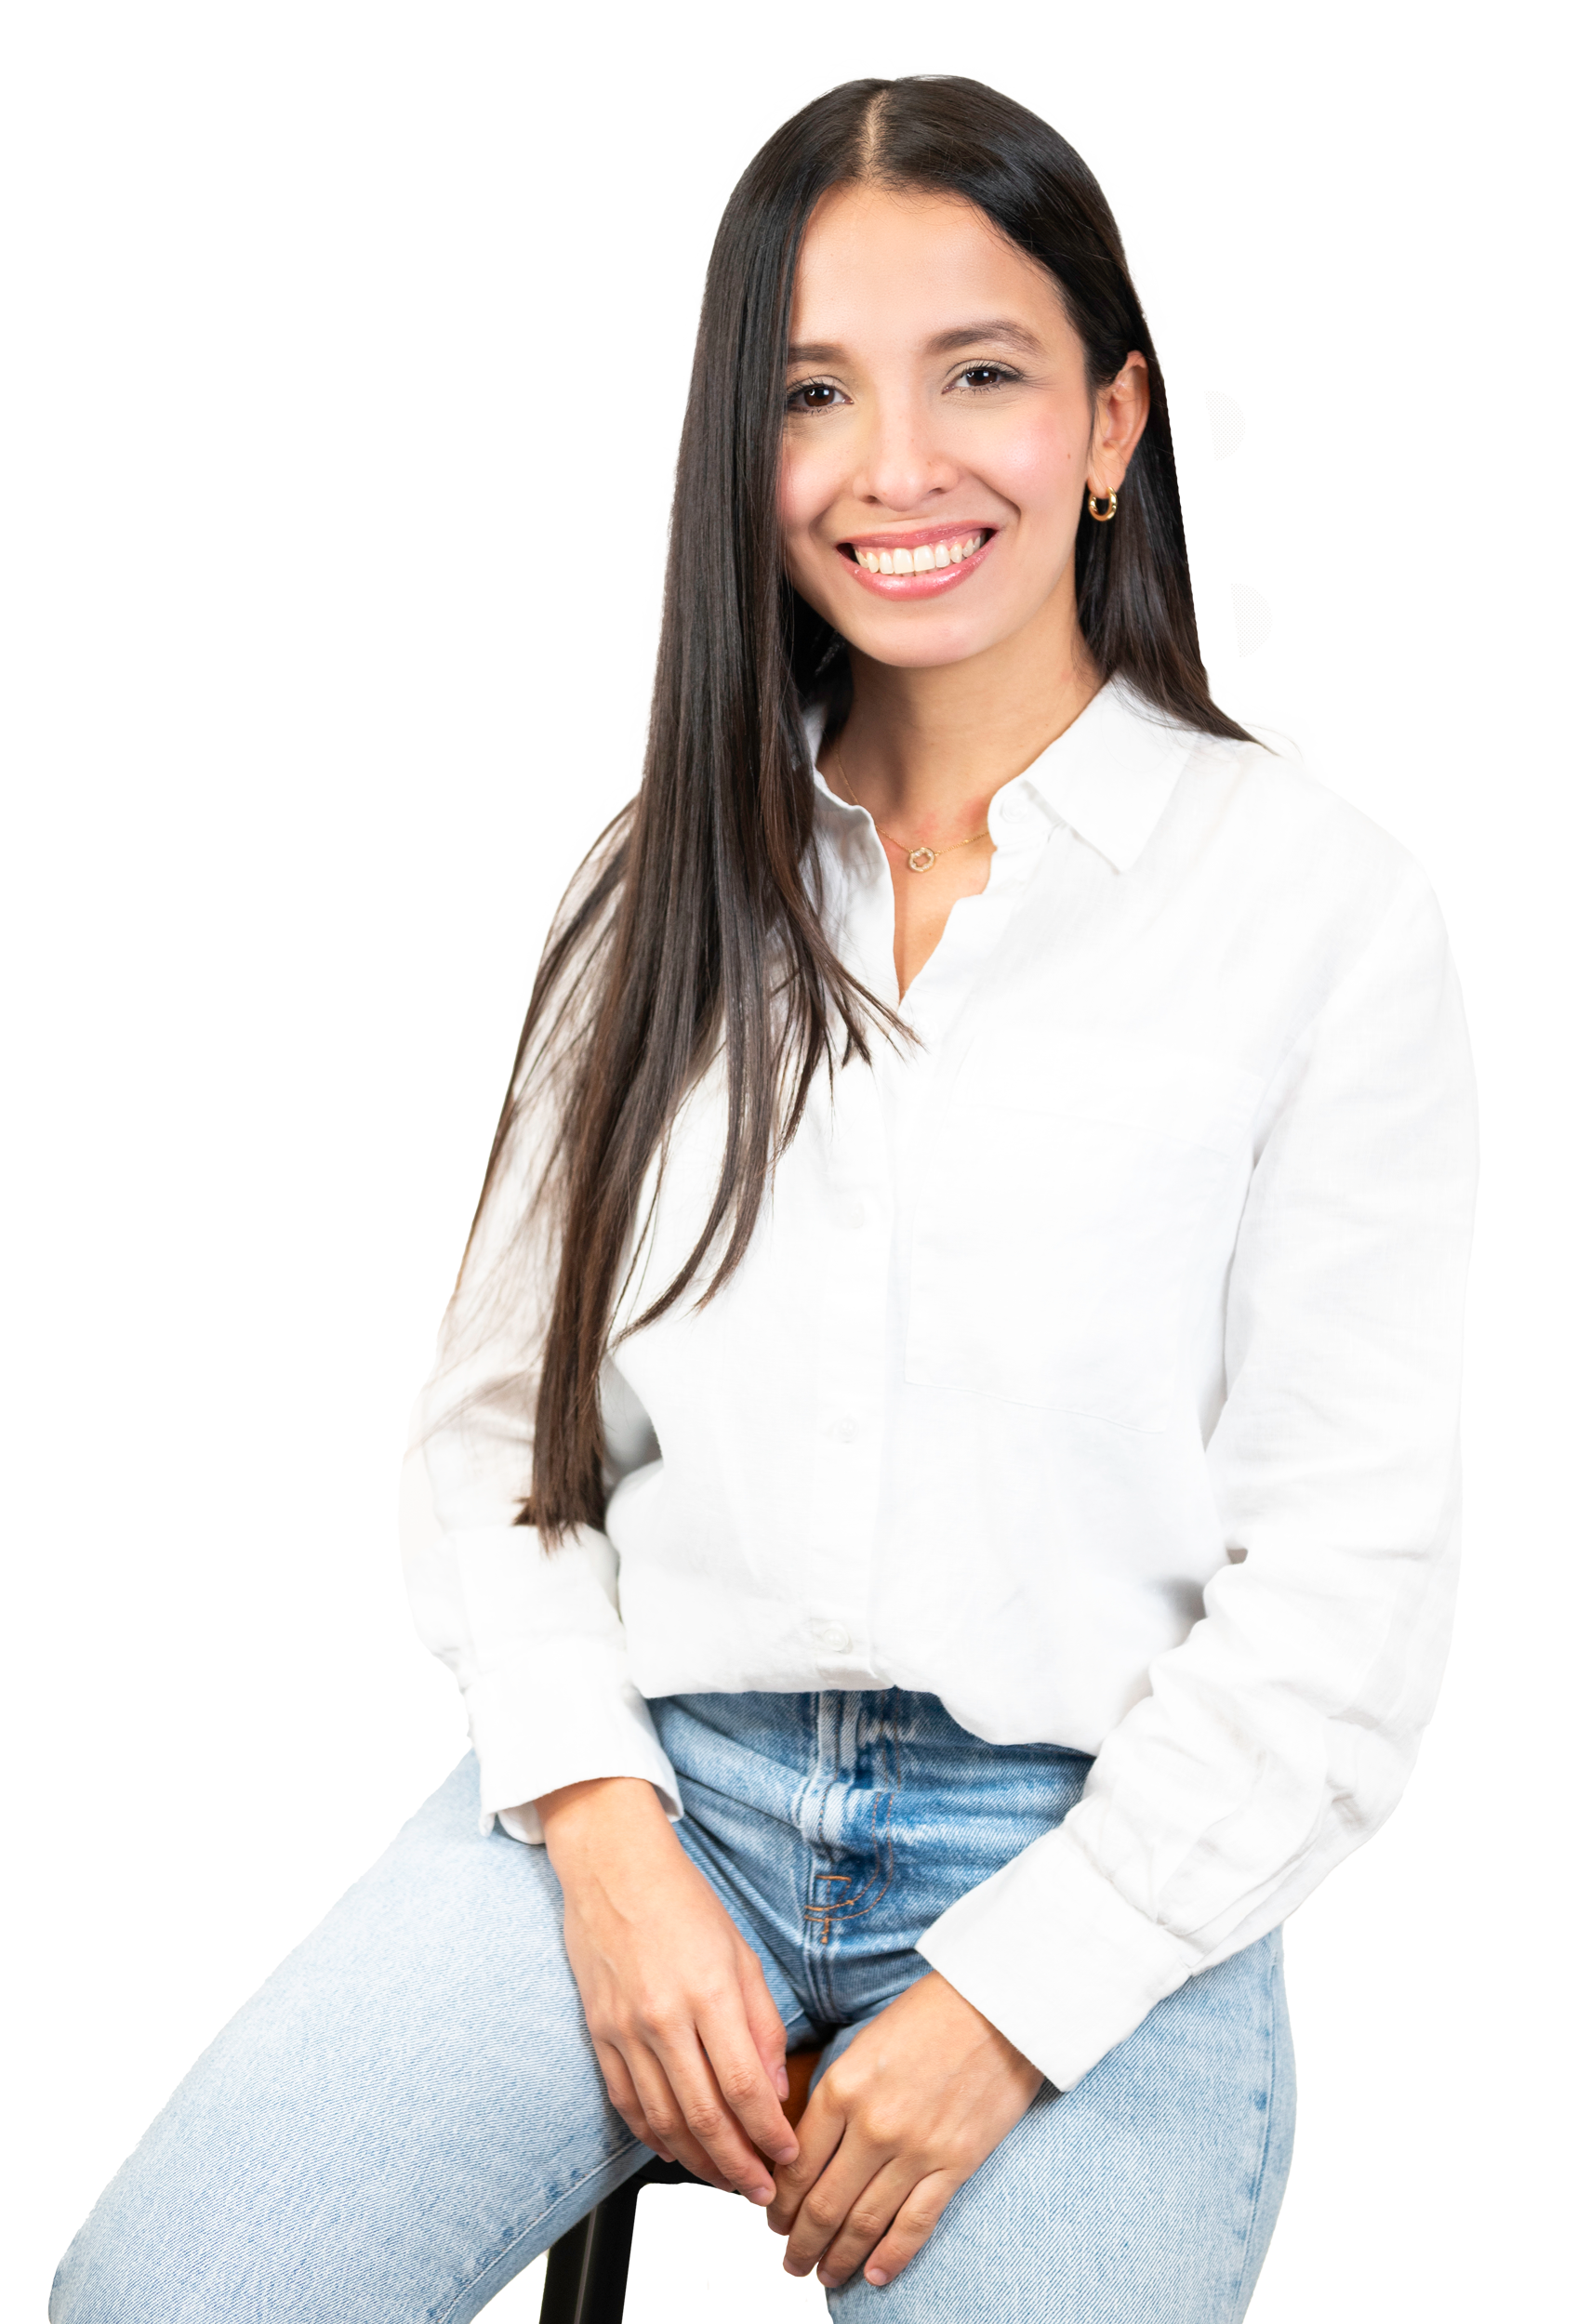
347	345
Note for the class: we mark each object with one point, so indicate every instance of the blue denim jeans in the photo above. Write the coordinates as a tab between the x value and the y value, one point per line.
409	2110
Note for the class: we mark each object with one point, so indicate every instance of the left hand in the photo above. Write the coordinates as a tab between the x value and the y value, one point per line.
917	2100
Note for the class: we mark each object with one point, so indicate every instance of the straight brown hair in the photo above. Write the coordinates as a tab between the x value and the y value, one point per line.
694	929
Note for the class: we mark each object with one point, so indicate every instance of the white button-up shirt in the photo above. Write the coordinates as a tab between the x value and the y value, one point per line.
1093	1366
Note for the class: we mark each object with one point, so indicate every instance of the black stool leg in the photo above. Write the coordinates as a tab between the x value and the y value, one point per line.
589	2266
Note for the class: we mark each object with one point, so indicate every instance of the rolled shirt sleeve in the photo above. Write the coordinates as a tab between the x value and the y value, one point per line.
1277	1737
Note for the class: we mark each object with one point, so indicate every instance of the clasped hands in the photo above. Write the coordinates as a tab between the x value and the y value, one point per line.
691	2049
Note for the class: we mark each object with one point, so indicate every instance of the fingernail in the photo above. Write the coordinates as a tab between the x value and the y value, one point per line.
783	2081
874	2276
760	2194
785	2153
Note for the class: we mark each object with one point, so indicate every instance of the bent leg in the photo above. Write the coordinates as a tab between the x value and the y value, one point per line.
1145	2196
403	2118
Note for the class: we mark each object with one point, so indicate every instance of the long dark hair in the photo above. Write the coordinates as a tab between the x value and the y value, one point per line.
693	933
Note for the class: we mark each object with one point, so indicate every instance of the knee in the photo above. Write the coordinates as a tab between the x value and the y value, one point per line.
127	2265
94	2285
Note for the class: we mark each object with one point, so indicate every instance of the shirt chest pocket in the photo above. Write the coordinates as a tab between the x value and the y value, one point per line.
1060	1211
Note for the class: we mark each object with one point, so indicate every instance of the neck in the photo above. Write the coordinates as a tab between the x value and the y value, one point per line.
926	749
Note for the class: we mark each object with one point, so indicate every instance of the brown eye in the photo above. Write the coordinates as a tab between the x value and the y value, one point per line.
814	395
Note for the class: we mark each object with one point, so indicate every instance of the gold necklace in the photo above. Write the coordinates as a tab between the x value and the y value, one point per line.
919	859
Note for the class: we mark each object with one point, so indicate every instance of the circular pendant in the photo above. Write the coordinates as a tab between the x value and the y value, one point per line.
922	858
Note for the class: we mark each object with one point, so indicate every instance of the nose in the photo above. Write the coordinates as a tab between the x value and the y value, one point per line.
904	462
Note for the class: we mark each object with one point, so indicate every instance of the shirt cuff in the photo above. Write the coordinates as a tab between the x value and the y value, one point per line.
535	1727
1057	1961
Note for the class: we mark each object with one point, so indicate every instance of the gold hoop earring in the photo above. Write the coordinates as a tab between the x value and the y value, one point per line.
1103	516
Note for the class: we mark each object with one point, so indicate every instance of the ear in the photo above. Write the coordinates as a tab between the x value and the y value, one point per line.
1122	410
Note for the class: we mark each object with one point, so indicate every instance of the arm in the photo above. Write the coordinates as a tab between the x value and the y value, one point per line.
1277	1737
688	2036
1278	1734
533	1637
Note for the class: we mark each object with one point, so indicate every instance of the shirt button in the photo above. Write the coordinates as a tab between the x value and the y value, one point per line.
847	1429
850	1212
832	1635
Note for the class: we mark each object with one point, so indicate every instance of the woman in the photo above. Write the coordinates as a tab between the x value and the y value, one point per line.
942	1459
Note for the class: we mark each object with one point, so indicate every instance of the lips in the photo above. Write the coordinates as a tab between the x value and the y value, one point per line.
917	563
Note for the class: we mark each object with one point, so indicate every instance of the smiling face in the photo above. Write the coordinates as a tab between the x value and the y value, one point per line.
940	434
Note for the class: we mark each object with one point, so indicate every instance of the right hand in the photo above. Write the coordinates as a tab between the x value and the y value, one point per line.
688	2038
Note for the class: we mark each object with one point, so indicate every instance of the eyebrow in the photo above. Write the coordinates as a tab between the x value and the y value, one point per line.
964	334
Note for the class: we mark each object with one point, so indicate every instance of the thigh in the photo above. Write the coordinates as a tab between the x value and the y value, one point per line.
1148	2193
407	2113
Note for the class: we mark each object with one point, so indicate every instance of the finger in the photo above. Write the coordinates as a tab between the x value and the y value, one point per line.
916	2221
765	2024
660	2104
744	2083
626	2100
822	2126
710	2118
665	2116
869	2217
821	2216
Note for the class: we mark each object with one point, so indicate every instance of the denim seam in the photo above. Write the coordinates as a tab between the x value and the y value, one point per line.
817	1785
825	1917
807	1782
1264	2145
881	1855
527	2224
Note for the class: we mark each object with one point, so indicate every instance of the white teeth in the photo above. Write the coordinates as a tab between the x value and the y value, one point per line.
927	559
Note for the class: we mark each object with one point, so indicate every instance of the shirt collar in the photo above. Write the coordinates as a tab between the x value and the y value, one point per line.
1108	776
1111	774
